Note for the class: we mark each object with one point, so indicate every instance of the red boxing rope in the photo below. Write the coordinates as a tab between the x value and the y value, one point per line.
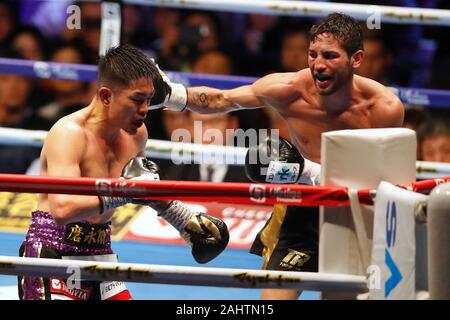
227	192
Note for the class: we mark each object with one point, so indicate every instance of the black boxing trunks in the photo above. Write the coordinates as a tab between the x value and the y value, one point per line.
289	240
79	240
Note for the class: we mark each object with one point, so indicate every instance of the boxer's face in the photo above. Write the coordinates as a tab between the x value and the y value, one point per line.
330	65
129	105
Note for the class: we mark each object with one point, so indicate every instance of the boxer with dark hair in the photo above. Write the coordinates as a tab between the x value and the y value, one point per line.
325	97
107	140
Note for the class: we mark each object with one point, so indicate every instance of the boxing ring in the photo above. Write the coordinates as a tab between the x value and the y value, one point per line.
439	187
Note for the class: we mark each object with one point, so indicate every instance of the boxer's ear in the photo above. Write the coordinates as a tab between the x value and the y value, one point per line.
356	59
104	94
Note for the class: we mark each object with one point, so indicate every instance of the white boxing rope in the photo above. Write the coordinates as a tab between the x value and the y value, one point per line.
193	152
22	137
181	275
430	170
181	152
362	12
160	149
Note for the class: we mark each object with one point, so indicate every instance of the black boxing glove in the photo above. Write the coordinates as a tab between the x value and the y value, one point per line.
206	235
274	161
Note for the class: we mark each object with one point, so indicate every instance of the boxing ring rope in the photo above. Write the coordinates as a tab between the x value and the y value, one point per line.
243	278
158	149
388	14
199	276
47	70
193	152
227	192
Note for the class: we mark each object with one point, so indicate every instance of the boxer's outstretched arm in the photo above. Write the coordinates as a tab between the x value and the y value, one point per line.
274	90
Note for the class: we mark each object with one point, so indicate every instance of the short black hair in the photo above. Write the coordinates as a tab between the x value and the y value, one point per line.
343	28
437	125
124	63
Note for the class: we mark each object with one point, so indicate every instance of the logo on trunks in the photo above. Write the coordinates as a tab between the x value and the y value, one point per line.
58	286
106	187
259	192
86	235
294	260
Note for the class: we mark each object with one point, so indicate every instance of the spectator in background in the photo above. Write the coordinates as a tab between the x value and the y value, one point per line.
138	27
7	20
163	31
260	31
293	57
29	42
173	120
209	30
49	16
67	95
213	62
261	42
89	34
434	139
377	57
415	116
213	130
15	113
294	49
14	94
198	32
206	129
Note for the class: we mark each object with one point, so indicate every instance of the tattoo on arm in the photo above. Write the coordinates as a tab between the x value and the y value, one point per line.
200	99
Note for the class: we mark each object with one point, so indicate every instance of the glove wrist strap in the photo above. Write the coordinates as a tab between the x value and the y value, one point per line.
177	214
109	203
178	97
311	173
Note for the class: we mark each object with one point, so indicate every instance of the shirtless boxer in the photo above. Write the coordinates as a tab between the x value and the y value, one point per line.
107	140
325	97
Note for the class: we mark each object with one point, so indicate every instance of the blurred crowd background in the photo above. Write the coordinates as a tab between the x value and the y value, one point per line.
207	42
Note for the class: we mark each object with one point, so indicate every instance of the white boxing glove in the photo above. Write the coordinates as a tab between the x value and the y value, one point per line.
168	94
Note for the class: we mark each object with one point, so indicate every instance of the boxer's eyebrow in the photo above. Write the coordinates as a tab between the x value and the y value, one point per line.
140	94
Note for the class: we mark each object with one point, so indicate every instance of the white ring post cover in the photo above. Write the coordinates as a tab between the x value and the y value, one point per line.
394	243
359	159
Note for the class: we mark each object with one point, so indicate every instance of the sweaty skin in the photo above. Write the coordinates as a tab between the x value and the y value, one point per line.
308	105
325	97
96	141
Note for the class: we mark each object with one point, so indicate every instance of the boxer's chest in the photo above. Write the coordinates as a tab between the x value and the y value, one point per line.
107	160
307	123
